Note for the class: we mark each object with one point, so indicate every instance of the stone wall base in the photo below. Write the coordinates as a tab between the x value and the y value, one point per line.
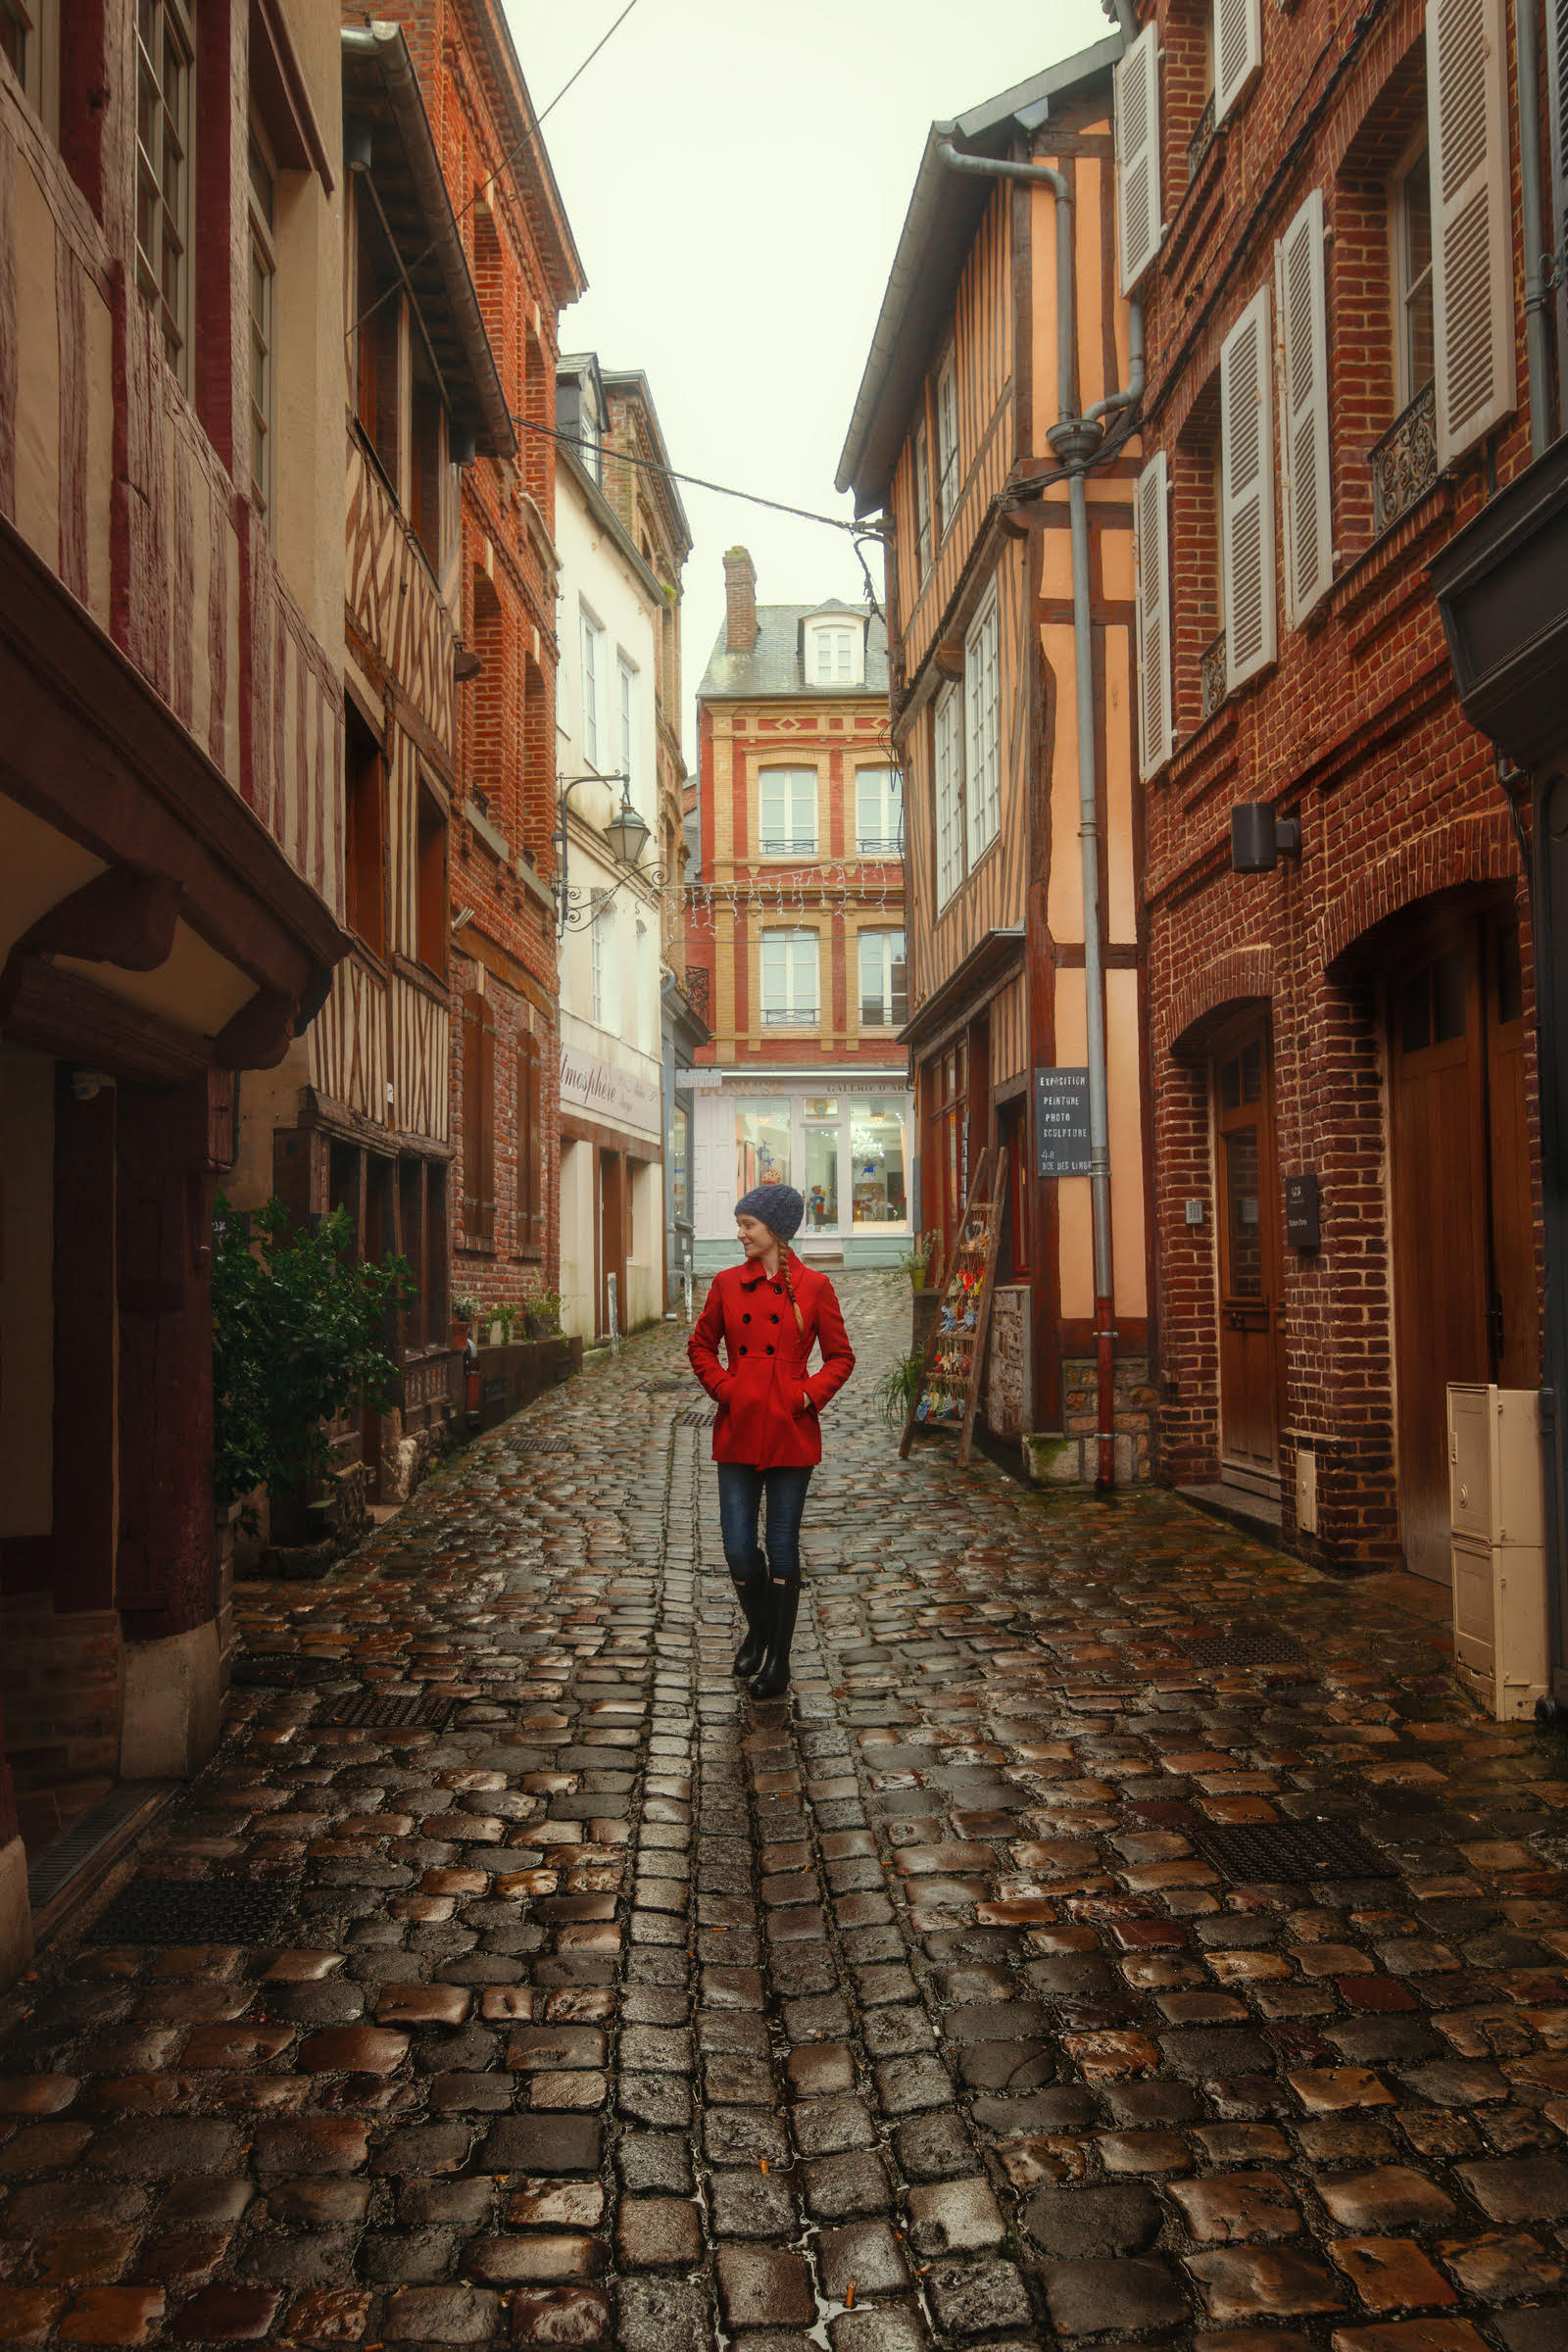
169	1724
1070	1457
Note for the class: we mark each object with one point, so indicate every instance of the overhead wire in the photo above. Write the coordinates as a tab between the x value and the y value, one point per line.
697	481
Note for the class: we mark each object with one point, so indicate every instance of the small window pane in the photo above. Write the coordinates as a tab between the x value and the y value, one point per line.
1415	1015
877	1163
1244	1235
762	1145
1449	977
1510	976
822	1179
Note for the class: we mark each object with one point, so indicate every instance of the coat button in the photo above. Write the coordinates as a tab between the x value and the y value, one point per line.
772	1318
771	1351
746	1318
776	1291
743	1351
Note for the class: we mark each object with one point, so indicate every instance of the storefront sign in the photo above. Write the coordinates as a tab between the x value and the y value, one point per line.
1062	1122
617	1096
1303	1227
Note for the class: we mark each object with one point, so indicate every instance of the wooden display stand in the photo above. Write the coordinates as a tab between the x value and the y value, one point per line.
956	1352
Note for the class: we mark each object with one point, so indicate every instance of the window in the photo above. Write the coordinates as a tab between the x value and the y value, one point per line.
378	329
30	41
647	988
761	1144
948	744
820	1190
428	449
1247	492
680	1163
884	990
834	657
1237	38
591	431
263	215
479	1118
530	1213
412	1241
982	694
947	443
605	967
365	844
789	979
1410	233
922	503
592	662
431	885
879	813
877	1163
1304	474
625	693
164	77
1474	362
1152	581
788	797
1137	126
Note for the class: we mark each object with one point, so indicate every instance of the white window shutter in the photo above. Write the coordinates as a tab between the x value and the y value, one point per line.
1238	50
1472	220
1308	490
1139	211
1152	576
1247	492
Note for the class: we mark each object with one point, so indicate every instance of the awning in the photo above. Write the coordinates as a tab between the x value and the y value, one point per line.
993	956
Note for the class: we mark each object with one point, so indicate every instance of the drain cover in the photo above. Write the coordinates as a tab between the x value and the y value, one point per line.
184	1911
542	1445
402	1711
1246	1649
1294	1851
281	1671
701	1416
665	1388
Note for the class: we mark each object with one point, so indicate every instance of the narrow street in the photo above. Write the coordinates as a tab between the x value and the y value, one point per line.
615	2010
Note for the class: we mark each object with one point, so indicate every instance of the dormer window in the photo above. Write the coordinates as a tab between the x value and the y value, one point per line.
835	651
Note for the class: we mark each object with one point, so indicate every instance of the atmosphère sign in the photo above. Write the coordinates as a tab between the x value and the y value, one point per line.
1062	1122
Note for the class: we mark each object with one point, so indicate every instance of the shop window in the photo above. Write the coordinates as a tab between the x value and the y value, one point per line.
761	1144
166	88
365	847
877	1163
821	1187
479	1118
680	1163
431	910
530	1231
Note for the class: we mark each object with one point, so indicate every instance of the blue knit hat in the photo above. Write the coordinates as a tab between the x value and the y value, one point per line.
778	1206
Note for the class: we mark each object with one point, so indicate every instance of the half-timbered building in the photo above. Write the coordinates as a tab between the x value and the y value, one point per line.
171	825
357	1118
949	444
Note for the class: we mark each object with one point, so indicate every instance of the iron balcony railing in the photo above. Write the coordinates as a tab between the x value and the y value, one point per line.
790	1016
880	845
1203	138
1404	463
1211	671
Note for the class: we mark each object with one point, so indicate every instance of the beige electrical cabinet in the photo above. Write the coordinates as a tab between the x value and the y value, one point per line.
1498	1517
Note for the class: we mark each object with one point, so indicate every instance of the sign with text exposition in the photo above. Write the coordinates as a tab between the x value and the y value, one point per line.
1062	1122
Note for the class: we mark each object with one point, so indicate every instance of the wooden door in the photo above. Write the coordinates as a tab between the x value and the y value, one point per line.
1250	1340
1464	1265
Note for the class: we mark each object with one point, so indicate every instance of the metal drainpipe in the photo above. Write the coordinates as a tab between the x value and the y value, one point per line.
1076	441
1537	291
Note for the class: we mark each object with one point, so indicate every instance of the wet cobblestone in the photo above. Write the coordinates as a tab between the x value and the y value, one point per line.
907	2014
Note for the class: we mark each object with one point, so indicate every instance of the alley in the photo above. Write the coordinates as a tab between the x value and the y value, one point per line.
586	2003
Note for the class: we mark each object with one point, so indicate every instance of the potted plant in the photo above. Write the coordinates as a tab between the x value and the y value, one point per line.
544	1315
898	1391
465	1312
917	1264
499	1320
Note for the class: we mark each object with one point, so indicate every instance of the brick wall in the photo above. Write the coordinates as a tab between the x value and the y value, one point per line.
1354	729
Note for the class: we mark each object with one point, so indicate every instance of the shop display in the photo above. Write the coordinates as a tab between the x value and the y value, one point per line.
949	1377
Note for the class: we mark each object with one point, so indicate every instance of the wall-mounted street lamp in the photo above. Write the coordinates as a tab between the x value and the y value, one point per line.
1259	839
627	835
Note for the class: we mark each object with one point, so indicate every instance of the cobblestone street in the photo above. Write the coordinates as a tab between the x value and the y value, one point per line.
921	2010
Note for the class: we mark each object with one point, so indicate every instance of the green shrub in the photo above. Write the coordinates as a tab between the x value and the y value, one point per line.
301	1329
898	1388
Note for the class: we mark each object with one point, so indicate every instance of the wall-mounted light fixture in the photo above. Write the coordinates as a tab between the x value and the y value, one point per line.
359	142
462	919
466	665
1259	839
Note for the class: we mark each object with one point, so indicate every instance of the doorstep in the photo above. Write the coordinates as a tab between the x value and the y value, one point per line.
1255	1514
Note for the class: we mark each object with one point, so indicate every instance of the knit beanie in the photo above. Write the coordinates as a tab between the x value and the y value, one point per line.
778	1206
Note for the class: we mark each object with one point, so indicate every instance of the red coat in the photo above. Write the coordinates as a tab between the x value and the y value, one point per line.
763	1418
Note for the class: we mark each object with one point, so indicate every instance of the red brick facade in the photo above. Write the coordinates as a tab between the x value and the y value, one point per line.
1353	730
526	270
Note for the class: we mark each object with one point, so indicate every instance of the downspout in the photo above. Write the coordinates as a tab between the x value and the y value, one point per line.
1538	275
1076	441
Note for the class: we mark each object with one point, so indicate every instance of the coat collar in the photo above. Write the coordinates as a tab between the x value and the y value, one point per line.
749	1280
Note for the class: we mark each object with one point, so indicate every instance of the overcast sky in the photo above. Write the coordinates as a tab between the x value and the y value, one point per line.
736	179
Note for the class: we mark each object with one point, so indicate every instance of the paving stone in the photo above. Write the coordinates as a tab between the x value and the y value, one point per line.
654	2314
838	2187
1233	2207
1520	2188
442	2315
1088	2298
1077	2224
1264	2282
659	2234
751	2203
761	2285
866	2257
977	2298
1384	2199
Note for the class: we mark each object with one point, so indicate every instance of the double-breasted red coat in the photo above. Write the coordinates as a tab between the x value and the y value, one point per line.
765	1418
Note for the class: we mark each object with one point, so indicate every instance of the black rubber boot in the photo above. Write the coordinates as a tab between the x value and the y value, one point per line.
774	1678
751	1593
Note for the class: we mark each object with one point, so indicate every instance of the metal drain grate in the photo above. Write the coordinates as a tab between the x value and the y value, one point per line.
1246	1649
701	1416
285	1671
101	1829
665	1388
182	1911
1293	1853
402	1711
541	1444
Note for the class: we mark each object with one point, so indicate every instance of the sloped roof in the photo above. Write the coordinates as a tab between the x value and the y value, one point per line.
773	665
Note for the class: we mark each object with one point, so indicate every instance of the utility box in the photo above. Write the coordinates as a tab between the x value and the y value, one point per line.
1497	1520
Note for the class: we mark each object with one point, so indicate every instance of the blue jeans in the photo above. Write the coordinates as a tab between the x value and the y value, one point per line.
741	1491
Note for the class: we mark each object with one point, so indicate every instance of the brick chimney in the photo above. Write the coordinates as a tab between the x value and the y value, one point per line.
740	600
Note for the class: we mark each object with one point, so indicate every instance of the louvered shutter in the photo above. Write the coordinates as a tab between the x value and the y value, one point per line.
1247	493
1238	50
1309	491
1557	235
1152	571
1138	191
1472	221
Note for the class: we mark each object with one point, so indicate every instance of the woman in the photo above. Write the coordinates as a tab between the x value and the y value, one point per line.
766	1439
